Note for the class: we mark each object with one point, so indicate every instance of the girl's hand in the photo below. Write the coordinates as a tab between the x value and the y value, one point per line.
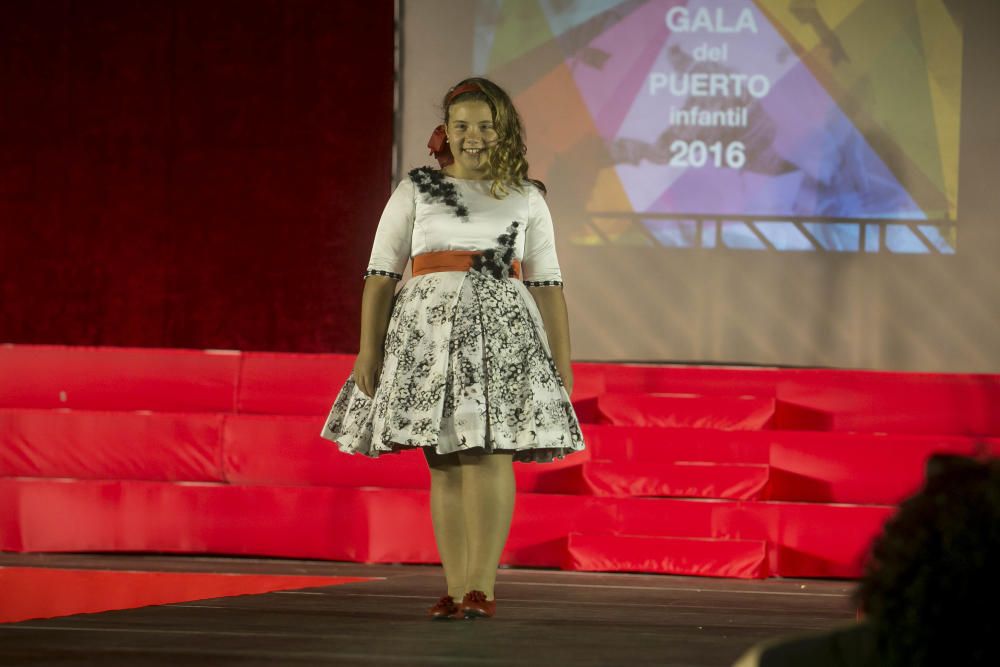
566	373
367	369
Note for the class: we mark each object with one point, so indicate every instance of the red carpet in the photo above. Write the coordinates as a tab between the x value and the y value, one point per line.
735	472
27	592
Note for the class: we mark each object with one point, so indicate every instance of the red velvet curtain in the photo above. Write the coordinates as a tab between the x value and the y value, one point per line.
191	174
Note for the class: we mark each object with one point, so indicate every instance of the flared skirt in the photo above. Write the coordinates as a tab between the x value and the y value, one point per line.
467	367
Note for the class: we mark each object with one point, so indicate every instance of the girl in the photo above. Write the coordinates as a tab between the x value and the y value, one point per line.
471	360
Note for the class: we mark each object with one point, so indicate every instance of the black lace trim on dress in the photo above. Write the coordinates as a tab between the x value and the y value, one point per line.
379	272
434	187
541	283
498	262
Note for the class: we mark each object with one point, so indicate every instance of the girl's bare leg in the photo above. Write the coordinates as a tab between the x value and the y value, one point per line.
488	491
448	518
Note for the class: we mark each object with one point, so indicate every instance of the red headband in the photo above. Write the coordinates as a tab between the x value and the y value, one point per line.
438	141
464	88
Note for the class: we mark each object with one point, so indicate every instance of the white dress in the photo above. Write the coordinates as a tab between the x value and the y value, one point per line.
467	365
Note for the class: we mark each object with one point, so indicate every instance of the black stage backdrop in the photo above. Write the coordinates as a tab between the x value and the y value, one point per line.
191	174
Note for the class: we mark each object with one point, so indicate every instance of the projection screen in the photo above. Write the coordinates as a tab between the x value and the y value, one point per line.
771	182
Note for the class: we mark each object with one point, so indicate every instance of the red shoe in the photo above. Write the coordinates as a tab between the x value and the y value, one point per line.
445	609
475	605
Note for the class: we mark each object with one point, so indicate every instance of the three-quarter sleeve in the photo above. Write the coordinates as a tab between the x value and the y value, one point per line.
540	266
394	236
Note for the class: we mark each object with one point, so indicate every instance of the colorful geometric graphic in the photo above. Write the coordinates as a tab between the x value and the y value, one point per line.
783	125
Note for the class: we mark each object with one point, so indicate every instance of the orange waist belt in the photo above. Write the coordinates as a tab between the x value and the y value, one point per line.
452	260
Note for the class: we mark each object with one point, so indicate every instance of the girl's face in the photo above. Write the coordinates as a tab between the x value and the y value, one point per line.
471	136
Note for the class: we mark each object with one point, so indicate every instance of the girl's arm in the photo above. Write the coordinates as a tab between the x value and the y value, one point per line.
552	306
376	308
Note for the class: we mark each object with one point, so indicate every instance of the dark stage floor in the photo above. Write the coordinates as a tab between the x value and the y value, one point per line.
544	617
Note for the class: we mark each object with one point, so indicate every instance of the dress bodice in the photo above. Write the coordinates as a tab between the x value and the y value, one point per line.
430	212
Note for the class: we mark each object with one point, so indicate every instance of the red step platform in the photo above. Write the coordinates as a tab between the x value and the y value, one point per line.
708	471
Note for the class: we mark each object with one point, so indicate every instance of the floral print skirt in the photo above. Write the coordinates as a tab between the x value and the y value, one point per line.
467	367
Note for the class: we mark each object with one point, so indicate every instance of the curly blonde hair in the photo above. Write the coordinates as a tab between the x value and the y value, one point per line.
507	162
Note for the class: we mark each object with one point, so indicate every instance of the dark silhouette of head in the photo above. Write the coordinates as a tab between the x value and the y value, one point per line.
932	578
